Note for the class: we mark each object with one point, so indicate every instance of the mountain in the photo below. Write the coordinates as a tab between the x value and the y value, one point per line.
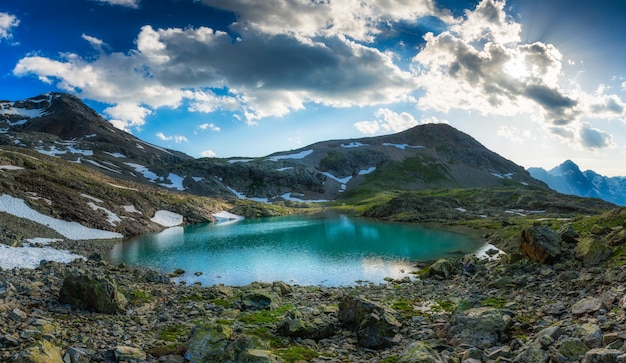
567	178
424	157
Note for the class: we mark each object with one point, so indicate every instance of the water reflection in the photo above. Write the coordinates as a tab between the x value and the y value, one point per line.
299	250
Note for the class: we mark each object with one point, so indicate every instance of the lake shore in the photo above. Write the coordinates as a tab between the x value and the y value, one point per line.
501	311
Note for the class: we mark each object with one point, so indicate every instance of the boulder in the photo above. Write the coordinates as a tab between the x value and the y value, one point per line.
77	355
259	300
297	325
592	251
375	325
533	353
420	352
443	268
540	243
214	342
568	234
42	352
573	349
482	327
92	292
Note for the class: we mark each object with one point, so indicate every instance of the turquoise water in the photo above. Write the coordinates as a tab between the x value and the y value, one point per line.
304	250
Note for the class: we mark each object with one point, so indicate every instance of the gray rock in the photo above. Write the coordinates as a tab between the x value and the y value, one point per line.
573	349
43	351
590	334
532	353
259	300
155	276
17	315
481	327
588	305
130	354
297	325
568	234
592	251
442	268
540	243
603	355
92	292
77	355
420	352
375	325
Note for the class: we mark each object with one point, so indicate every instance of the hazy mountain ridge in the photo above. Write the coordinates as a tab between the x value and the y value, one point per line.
567	178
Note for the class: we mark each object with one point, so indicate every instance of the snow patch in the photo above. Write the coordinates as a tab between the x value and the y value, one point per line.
73	150
283	169
197	178
233	161
70	230
31	257
131	209
167	219
112	218
482	252
116	155
243	196
10	167
288	196
503	176
353	144
17	123
403	146
92	198
367	171
144	171
300	155
102	166
176	182
462	210
52	152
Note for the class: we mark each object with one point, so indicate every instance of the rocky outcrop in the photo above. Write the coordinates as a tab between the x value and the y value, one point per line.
375	325
92	292
443	268
540	243
592	251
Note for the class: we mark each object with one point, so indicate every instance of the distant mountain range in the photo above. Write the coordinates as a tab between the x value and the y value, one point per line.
567	178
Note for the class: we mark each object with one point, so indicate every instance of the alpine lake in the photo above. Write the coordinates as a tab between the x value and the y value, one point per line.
327	250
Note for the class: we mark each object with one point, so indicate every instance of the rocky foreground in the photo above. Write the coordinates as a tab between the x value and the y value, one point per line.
560	299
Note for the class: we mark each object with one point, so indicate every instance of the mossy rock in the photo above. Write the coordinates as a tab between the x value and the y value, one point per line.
93	292
573	349
42	352
592	251
420	352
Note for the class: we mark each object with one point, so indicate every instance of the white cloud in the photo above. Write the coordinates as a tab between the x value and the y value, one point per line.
208	126
127	116
128	3
388	122
7	23
95	42
481	65
208	154
176	138
358	19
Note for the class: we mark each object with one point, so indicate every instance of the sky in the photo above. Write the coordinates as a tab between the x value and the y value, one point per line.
536	81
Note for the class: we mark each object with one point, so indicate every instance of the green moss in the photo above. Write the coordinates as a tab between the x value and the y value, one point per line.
297	353
137	297
265	316
173	332
391	359
169	349
494	302
446	305
265	333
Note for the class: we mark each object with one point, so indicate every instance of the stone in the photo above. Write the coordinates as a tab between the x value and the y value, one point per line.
568	234
42	352
573	349
259	300
282	288
7	290
602	355
131	354
482	327
420	352
155	276
214	342
77	355
92	292
375	325
17	315
592	251
296	325
590	334
442	268
588	305
540	243
532	353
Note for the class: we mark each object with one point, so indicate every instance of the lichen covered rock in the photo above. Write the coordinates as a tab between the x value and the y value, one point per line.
481	327
375	325
92	292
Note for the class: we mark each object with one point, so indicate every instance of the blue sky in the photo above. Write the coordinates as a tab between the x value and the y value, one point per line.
536	81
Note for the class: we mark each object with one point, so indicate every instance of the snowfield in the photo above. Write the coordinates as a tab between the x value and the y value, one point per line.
70	230
224	218
30	257
300	155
